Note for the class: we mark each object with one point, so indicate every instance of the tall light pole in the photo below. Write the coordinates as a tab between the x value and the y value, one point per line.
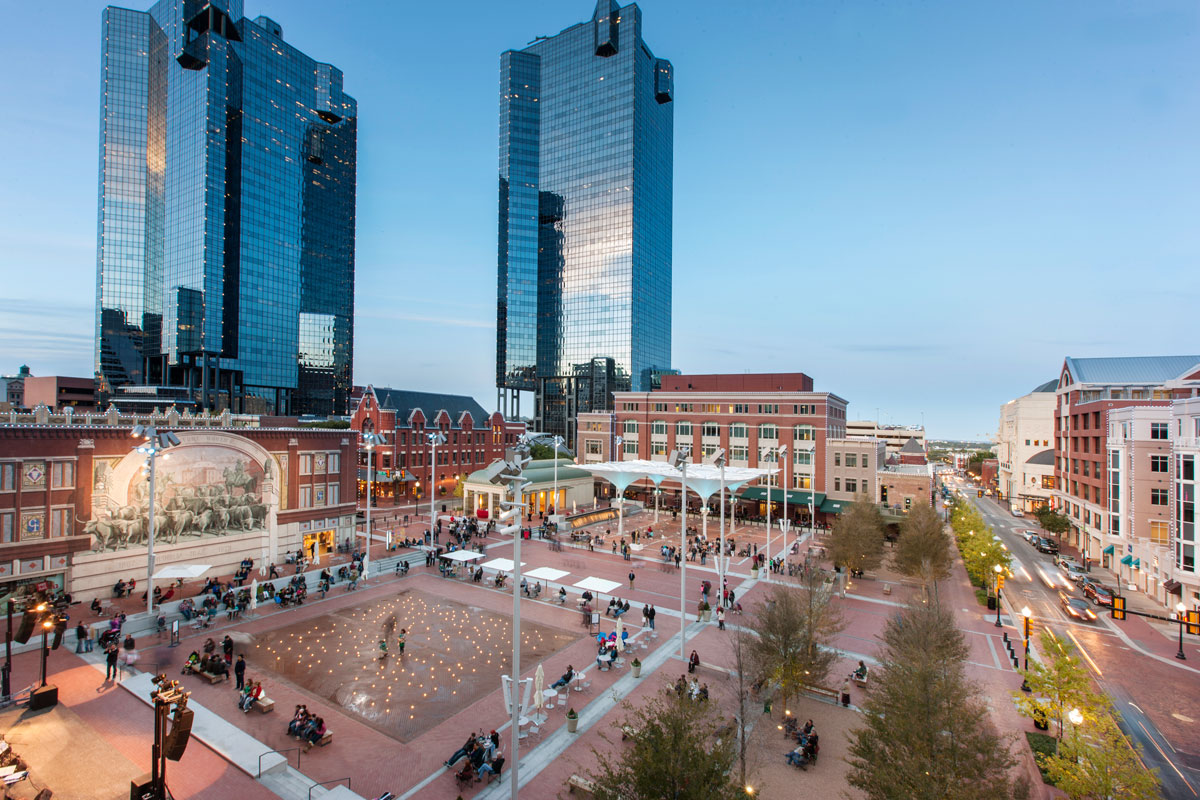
153	443
1027	613
558	442
786	522
719	459
435	438
371	440
1181	610
620	498
510	519
679	460
999	570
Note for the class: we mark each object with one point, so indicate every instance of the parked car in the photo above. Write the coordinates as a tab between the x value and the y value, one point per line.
1016	512
1098	593
1064	562
1075	572
1045	545
1031	537
1076	608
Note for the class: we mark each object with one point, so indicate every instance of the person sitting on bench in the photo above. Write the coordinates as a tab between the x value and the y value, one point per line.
315	731
613	607
97	609
860	674
565	679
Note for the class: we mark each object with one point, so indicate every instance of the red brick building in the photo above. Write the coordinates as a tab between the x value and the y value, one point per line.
59	391
474	439
1088	390
750	416
74	504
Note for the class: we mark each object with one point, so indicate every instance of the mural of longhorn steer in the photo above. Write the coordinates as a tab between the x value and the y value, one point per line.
106	532
204	522
241	516
180	522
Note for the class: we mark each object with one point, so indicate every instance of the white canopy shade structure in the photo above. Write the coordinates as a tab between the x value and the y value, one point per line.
465	555
500	564
546	573
185	571
598	585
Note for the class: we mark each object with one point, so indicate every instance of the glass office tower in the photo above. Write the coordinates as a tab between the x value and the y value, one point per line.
584	289
225	254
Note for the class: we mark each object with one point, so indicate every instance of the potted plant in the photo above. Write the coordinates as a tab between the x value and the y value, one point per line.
636	666
572	720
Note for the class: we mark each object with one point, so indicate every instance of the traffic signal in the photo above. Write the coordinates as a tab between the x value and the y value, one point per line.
1118	607
999	582
979	493
1193	623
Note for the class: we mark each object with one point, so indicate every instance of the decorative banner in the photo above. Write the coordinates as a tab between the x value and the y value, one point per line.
33	525
33	475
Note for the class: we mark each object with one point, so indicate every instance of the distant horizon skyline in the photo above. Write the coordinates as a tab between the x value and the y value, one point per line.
926	209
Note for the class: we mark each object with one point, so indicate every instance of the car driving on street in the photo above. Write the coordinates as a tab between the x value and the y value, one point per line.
1076	608
1098	593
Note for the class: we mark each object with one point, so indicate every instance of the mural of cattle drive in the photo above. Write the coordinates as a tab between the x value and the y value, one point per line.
201	491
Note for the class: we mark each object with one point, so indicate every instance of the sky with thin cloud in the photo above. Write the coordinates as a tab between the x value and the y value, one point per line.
925	206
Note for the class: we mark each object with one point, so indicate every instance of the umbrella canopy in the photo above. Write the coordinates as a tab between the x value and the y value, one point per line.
539	678
620	630
546	573
185	571
462	555
502	564
599	585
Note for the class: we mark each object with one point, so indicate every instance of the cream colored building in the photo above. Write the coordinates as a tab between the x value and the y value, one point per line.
894	436
1025	448
852	465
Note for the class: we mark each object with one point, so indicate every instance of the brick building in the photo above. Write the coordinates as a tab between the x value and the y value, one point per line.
74	504
1089	390
474	438
751	416
59	391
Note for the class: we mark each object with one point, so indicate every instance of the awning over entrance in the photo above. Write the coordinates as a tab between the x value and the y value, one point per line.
796	497
1173	587
388	475
1127	560
833	506
1108	551
1137	563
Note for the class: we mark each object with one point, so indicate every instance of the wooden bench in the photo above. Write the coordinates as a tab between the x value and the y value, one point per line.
581	783
211	677
821	693
265	705
860	680
326	738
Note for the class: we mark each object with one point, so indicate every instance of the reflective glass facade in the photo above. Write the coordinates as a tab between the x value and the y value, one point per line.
225	255
586	130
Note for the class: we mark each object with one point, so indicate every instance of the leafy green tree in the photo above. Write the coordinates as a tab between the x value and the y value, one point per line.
795	628
923	547
1097	762
856	540
926	730
1052	521
677	753
1058	683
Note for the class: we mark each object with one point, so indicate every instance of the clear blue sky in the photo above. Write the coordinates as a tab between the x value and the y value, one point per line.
923	205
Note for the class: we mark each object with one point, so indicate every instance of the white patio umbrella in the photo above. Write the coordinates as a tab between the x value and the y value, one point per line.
539	679
620	630
254	594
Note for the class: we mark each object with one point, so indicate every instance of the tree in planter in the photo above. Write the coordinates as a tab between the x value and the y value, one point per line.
926	731
856	540
795	629
1098	762
923	546
677	754
1057	683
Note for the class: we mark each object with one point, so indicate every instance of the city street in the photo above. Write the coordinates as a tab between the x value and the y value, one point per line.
1158	695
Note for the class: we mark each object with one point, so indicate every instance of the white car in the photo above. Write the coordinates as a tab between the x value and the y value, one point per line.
1016	512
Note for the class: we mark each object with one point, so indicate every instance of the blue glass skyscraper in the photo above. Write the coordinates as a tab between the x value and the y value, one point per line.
584	289
225	254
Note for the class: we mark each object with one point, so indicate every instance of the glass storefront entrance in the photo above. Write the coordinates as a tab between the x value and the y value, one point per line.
317	544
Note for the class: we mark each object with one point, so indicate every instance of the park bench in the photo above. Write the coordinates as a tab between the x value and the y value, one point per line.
265	705
821	693
211	677
326	738
581	783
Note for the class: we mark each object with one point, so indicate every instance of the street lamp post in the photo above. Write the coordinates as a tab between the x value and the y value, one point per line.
1181	610
679	460
1076	718
370	442
153	444
435	438
786	522
999	570
1027	613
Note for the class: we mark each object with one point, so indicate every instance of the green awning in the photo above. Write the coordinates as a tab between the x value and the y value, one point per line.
1108	551
797	497
833	506
1137	563
1127	560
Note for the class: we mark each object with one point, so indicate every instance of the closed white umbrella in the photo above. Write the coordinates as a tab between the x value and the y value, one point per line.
539	679
254	594
620	630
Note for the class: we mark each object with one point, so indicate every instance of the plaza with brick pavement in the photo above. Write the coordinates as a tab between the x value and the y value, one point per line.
396	718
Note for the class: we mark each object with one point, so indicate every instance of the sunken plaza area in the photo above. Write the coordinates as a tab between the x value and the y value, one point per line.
454	655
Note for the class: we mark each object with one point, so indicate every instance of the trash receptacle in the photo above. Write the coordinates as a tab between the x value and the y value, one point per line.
991	603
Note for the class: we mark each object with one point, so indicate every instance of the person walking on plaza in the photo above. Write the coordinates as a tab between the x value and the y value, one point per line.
81	638
227	649
400	640
721	618
239	671
650	616
631	577
110	661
